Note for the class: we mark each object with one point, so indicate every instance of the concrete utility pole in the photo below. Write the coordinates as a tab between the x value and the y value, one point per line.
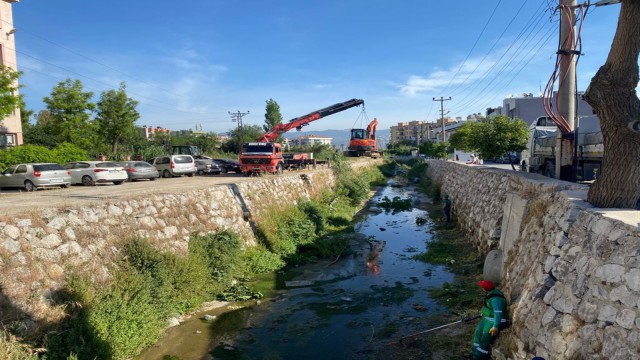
237	117
442	100
567	89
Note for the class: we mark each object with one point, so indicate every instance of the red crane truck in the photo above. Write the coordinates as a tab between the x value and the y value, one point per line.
265	156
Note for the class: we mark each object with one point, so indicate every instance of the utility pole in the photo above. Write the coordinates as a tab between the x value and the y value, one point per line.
567	89
442	100
237	117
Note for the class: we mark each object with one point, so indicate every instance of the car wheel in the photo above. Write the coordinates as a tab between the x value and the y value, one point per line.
118	182
88	181
28	185
550	170
166	174
190	174
223	170
65	186
279	169
200	172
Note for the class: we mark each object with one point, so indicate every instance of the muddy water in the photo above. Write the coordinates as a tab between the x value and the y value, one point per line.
344	309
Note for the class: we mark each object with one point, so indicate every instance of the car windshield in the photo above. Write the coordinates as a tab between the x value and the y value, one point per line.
48	167
143	165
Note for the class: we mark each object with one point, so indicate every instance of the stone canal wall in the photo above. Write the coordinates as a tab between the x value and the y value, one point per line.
39	248
571	271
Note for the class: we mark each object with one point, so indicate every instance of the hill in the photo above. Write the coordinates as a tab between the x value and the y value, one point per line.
341	137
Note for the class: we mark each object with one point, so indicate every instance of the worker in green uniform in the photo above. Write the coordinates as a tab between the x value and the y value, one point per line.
494	318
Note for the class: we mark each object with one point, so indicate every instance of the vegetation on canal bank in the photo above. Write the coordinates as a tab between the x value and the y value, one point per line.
116	320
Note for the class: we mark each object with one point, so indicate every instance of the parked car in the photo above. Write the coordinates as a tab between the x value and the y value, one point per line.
175	165
34	176
229	165
139	170
208	167
90	173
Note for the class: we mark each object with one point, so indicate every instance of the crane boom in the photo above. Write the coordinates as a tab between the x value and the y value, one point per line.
301	121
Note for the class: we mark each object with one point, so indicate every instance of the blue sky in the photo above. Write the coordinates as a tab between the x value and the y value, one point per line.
192	62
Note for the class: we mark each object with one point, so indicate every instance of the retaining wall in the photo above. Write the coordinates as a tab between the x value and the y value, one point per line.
40	248
571	271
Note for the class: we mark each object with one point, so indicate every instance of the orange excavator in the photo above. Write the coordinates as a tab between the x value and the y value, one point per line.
363	142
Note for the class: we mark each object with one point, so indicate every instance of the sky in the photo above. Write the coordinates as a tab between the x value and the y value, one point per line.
190	63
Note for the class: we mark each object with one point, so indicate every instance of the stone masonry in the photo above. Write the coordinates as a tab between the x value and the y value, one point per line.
39	249
571	271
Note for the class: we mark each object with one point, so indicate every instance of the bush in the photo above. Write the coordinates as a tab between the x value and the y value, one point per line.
179	284
67	152
25	154
260	260
222	252
125	315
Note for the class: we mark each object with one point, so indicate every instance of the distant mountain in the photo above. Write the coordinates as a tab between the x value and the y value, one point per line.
341	137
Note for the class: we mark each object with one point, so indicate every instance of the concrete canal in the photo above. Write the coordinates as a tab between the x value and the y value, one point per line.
348	308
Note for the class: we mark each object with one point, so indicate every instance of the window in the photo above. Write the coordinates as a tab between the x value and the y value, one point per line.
22	169
7	139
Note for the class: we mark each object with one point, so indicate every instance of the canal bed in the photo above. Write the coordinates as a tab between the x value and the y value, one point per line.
348	308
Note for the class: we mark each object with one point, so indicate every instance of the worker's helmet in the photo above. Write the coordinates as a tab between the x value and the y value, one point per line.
487	285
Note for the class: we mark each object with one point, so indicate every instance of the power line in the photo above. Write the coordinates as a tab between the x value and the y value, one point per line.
95	61
474	45
97	81
523	44
442	100
237	117
500	74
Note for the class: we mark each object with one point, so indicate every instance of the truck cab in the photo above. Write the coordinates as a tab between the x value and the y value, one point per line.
261	157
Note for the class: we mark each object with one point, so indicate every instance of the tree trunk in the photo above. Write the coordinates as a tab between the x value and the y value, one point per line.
613	97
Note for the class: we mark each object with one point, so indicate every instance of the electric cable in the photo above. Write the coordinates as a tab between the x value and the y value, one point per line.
94	60
474	45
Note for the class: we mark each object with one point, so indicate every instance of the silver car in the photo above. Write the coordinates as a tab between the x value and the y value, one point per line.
174	165
89	173
34	176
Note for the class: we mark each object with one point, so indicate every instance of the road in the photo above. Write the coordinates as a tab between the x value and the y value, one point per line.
14	202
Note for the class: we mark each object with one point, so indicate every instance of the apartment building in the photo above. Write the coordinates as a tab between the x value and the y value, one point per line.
149	131
310	140
10	126
415	131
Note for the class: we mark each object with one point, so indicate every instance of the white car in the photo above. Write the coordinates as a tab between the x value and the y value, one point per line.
90	173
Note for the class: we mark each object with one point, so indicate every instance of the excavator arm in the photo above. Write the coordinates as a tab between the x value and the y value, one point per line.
371	129
301	121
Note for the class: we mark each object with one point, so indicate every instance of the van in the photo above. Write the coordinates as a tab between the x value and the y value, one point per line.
175	165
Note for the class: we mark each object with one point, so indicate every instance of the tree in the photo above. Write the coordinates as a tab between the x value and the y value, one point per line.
9	98
249	133
492	137
25	114
40	132
613	97
272	117
116	117
70	108
438	150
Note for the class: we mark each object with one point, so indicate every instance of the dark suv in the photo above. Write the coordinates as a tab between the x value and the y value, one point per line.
228	165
